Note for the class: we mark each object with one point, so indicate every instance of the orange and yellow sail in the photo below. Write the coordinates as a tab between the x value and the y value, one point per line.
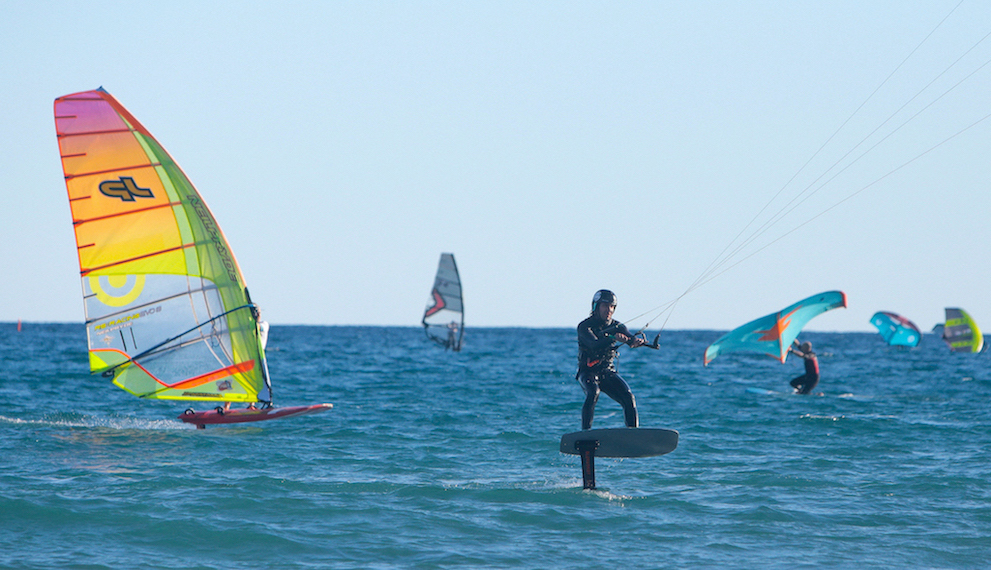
167	312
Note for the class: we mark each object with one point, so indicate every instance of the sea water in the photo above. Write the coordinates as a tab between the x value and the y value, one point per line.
434	459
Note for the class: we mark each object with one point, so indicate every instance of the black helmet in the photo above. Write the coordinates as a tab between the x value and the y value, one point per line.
603	296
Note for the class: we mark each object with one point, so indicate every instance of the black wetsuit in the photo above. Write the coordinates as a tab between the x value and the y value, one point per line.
806	382
596	371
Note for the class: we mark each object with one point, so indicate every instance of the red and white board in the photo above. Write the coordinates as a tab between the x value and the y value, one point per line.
242	415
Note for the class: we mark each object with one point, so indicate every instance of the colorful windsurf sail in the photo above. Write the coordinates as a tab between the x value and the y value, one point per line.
961	333
773	334
168	315
444	317
896	330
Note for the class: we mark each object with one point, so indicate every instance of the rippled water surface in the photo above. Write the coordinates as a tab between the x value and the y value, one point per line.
432	459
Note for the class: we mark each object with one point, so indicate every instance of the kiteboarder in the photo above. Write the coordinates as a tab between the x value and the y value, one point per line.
806	382
596	353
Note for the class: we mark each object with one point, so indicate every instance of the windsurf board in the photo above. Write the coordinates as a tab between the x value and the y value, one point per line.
242	415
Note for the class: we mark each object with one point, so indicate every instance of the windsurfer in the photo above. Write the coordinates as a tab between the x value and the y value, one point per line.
596	355
262	328
806	382
452	337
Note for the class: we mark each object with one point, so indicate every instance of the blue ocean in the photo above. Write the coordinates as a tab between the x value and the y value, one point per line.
434	459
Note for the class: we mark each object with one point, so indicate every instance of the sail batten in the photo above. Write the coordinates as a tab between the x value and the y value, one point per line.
153	261
85	133
85	272
139	307
107	171
117	215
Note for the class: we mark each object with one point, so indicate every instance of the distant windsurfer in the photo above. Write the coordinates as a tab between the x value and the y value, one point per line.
452	337
806	382
596	355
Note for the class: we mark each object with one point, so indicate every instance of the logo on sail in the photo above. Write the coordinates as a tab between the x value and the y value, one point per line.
117	290
125	189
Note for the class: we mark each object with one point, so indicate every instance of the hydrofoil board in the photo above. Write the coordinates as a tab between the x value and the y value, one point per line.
242	415
766	392
622	442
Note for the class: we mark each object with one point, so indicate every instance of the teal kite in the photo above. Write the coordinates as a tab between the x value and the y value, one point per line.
773	334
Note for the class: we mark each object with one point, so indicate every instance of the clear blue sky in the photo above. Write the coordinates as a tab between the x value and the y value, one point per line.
554	147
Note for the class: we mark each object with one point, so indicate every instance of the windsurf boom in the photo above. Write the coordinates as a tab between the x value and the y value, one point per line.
168	315
444	318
